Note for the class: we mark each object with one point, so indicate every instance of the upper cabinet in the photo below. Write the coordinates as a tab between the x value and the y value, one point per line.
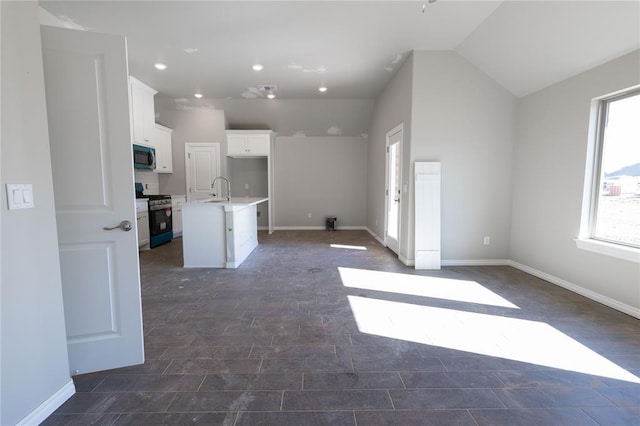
143	112
162	144
145	130
249	143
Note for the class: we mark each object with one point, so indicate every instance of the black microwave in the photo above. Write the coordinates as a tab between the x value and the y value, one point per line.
144	157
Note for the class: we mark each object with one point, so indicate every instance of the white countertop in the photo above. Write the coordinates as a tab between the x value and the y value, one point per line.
236	203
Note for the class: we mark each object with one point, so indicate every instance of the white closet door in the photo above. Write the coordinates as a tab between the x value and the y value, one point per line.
427	215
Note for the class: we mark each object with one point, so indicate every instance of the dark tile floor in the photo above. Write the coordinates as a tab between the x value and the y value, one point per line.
290	339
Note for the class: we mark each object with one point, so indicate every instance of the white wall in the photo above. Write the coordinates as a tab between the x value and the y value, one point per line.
455	114
392	107
149	180
549	168
196	126
34	361
288	117
324	176
251	172
465	120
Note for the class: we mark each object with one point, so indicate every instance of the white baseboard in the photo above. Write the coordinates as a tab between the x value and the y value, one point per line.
408	262
475	262
318	228
298	228
374	235
52	403
622	307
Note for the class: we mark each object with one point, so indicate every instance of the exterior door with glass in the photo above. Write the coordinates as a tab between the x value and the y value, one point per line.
393	189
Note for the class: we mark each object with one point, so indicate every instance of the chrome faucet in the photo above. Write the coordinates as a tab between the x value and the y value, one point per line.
213	184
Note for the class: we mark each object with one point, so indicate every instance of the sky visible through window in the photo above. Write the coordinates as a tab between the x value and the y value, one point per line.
618	209
622	137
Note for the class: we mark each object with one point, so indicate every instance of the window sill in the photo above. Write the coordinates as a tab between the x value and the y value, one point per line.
608	249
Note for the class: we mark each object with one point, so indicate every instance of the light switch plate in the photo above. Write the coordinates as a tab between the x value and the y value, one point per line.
20	196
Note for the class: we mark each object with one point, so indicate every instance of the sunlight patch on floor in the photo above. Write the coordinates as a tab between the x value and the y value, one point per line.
342	246
416	285
511	338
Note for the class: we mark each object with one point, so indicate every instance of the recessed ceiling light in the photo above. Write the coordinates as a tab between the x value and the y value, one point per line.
160	66
322	89
198	95
258	67
271	95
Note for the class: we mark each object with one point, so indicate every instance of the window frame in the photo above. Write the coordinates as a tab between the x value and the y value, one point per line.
587	239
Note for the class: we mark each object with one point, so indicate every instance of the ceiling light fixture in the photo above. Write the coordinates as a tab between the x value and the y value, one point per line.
271	95
160	66
258	67
198	95
322	89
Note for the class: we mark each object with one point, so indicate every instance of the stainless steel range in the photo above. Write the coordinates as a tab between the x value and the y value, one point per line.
160	223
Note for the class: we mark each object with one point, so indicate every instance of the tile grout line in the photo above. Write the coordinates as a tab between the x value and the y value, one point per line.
202	382
472	417
166	409
401	380
250	351
167	367
391	399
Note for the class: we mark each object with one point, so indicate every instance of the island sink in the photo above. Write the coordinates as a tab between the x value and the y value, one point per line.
219	233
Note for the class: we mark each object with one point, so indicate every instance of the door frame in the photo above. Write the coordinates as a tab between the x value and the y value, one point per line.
187	165
397	129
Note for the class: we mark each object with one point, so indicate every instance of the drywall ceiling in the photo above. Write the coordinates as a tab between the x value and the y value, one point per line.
526	46
353	48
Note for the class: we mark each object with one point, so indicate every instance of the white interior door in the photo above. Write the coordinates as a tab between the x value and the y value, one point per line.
202	165
393	190
87	90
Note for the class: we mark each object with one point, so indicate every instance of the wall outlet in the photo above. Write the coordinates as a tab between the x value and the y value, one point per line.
246	186
309	215
487	240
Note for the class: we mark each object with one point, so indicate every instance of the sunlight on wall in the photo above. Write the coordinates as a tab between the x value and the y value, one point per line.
515	339
416	285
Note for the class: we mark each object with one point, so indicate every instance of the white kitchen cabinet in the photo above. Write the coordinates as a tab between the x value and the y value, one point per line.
142	216
142	112
176	210
256	143
249	143
219	233
162	143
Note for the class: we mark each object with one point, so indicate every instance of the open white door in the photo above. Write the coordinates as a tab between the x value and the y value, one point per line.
86	81
392	193
202	166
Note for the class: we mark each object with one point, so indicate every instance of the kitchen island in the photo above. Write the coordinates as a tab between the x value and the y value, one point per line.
219	233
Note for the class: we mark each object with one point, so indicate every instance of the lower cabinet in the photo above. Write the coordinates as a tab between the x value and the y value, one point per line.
176	210
142	216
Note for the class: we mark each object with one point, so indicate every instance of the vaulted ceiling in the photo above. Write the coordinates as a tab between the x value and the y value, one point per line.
352	47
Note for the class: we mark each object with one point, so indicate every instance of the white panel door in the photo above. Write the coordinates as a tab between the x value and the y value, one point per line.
427	215
87	90
393	189
202	166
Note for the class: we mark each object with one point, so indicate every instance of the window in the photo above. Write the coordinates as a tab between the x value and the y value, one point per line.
613	191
